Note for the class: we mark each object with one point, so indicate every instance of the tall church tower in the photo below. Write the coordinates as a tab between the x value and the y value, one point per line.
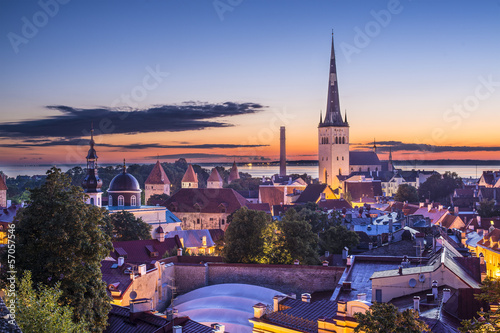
92	183
333	135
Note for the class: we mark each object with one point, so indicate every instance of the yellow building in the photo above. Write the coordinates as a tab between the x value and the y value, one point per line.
288	315
489	249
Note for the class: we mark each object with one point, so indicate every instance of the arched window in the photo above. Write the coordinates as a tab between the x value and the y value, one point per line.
110	201
342	158
337	158
336	139
133	201
343	139
121	200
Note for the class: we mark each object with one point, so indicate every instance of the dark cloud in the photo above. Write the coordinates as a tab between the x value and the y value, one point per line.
74	122
136	146
386	146
202	155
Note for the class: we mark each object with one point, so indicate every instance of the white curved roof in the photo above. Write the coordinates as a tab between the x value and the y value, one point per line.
230	304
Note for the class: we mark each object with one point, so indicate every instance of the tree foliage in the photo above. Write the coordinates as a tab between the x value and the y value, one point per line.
337	237
290	239
244	241
38	310
406	192
125	227
386	318
487	208
439	188
59	239
488	321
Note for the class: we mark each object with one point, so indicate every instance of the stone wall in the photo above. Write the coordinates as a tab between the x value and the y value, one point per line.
206	220
189	277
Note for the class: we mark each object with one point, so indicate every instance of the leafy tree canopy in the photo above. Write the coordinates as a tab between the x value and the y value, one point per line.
386	318
38	310
439	188
59	239
125	227
406	193
487	321
337	237
487	208
243	238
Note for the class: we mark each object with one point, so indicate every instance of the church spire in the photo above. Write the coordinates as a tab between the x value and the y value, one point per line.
374	145
333	116
320	117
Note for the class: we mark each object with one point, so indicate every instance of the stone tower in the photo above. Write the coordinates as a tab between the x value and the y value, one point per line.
333	134
92	184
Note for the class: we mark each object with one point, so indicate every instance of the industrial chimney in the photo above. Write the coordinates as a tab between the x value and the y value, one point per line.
282	152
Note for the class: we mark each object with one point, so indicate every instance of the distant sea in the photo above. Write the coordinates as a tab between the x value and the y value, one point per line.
464	171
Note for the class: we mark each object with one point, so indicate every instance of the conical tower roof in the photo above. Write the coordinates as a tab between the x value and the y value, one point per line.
215	176
157	175
333	116
190	176
233	174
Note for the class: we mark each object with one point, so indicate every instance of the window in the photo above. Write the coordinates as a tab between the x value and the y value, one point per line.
91	201
198	221
336	139
98	201
342	158
133	201
337	158
110	201
121	200
343	139
223	221
378	295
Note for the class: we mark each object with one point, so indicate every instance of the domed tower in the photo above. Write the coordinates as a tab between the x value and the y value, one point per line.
92	184
124	190
333	135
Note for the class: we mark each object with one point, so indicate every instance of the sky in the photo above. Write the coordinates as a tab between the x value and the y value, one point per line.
214	80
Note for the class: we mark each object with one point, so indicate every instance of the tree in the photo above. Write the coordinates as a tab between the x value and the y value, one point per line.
291	239
386	318
439	188
38	310
125	226
157	198
406	193
318	219
59	239
243	238
337	237
487	208
487	321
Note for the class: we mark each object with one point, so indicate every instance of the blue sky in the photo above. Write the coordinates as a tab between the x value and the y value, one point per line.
399	85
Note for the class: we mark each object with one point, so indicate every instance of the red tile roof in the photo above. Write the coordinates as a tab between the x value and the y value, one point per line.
450	221
233	173
364	189
205	200
407	209
214	176
311	193
272	195
260	206
157	175
137	251
363	158
334	204
190	176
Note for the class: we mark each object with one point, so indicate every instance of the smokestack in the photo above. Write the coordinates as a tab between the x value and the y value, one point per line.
282	152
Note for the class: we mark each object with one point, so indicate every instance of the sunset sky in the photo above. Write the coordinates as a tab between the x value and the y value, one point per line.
214	80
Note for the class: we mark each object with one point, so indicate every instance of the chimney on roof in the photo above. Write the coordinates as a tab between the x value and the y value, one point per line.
361	296
456	210
177	329
218	328
400	270
325	263
258	310
276	302
348	261
121	261
416	303
306	297
142	269
421	204
440	207
429	207
478	221
327	254
345	252
435	289
179	252
370	246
